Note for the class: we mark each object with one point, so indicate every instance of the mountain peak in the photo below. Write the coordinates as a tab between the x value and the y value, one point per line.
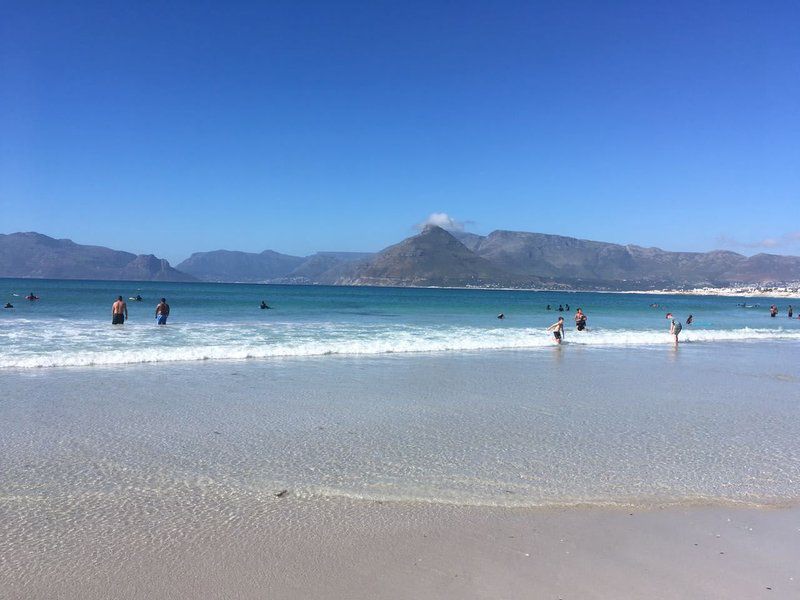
433	257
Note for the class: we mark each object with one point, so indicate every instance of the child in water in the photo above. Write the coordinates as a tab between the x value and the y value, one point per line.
557	329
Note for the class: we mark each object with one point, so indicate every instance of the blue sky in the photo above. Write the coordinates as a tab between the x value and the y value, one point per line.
301	126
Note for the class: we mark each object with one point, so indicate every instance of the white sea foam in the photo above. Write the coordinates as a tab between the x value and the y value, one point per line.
68	344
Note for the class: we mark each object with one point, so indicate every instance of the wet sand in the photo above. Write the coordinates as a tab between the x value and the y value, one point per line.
297	548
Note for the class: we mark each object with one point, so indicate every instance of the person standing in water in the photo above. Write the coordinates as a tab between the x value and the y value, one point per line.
119	312
773	311
675	329
790	311
580	320
557	330
162	312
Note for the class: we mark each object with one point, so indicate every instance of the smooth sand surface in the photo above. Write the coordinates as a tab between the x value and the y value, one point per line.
339	548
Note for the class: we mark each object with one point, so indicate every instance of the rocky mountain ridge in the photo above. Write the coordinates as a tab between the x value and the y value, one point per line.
433	257
39	256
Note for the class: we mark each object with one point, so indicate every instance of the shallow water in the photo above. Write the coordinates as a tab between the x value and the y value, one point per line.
703	424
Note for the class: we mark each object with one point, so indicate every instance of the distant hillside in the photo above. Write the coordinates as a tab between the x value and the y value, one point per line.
431	258
228	265
270	267
584	263
434	257
522	259
39	256
328	267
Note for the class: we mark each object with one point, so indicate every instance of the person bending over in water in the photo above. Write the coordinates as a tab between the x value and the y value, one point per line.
162	312
675	329
580	320
557	329
119	312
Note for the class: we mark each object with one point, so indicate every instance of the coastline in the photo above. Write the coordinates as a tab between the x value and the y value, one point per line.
748	290
729	292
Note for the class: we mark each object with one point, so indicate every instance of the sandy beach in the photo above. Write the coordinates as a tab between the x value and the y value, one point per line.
294	548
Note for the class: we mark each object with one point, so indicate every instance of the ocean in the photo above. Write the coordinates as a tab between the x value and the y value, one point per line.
70	324
378	394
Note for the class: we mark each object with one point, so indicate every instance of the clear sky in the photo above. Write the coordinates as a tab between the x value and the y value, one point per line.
301	126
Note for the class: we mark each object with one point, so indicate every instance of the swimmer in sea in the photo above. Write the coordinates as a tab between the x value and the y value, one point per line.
8	305
560	308
689	319
557	329
580	320
31	297
263	305
548	307
501	316
138	298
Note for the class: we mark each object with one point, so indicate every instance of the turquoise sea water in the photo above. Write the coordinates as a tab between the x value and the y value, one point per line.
70	324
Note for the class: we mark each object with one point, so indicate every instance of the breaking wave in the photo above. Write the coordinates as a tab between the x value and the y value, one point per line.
69	345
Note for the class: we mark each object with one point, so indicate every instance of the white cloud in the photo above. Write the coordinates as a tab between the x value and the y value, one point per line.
442	220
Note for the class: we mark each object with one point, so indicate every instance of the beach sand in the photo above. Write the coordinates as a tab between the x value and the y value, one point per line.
434	476
295	548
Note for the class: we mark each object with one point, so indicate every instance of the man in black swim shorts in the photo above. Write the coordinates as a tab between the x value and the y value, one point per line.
119	311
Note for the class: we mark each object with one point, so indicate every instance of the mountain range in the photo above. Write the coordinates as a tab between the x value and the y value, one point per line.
39	256
434	257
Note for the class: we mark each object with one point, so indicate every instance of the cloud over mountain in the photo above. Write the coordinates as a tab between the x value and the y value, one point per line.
443	220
